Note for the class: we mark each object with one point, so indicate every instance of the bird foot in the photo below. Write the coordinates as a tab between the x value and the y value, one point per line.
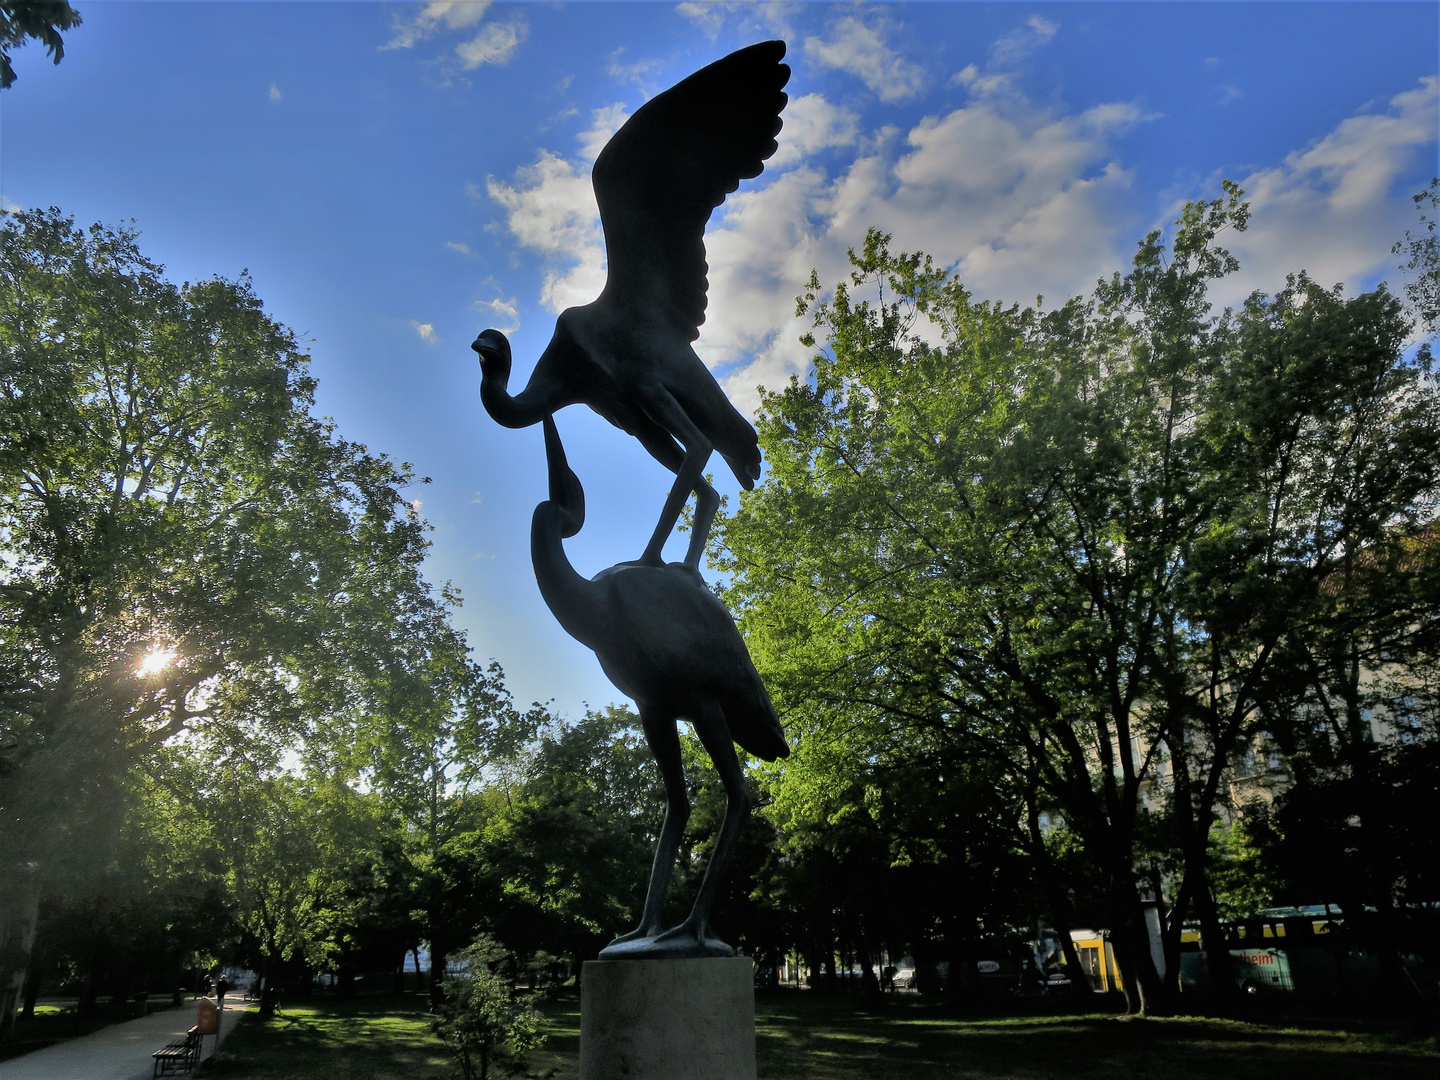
685	942
640	933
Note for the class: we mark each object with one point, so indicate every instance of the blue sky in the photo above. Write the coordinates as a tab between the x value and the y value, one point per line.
395	177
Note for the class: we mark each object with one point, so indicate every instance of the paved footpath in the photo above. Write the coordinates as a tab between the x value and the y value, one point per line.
120	1051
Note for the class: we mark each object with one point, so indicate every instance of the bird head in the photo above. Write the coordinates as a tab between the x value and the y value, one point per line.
494	351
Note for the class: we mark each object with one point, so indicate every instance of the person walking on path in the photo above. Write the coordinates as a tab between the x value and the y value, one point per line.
220	987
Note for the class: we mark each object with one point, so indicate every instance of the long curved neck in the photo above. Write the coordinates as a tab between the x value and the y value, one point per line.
575	601
517	411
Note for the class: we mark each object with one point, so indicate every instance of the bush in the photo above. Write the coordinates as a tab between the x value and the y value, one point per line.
486	1023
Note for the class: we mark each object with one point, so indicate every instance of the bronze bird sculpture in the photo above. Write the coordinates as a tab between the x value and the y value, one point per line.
628	353
664	640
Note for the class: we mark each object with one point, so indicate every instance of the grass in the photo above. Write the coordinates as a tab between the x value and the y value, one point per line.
367	1038
54	1022
800	1036
803	1036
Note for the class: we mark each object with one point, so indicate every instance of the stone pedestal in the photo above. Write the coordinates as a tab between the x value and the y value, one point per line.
668	1019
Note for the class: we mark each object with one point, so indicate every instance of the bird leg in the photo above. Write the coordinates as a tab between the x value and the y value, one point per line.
666	411
664	743
695	930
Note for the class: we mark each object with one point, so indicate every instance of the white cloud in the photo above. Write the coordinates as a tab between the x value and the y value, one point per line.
506	312
463	249
275	94
551	210
1017	198
860	49
455	14
494	44
991	84
634	72
1023	40
1331	208
812	124
425	330
709	17
1005	53
603	124
8	207
747	18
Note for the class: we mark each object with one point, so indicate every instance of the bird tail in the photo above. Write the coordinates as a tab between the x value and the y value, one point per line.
755	725
746	470
726	428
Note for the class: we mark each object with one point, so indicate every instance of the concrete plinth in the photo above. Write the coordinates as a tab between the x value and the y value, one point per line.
668	1019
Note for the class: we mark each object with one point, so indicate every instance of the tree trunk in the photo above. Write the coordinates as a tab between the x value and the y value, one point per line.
19	913
438	956
1057	900
1143	995
869	982
812	962
32	989
89	991
345	978
1217	950
269	988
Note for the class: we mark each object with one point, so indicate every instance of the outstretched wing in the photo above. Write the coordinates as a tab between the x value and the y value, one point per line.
671	164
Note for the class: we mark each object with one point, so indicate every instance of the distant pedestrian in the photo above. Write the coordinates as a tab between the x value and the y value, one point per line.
220	987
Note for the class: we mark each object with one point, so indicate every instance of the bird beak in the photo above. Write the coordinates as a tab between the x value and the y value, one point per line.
490	346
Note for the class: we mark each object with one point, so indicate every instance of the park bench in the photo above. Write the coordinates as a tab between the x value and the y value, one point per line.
179	1058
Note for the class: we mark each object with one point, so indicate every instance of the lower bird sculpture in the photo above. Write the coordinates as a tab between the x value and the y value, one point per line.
665	641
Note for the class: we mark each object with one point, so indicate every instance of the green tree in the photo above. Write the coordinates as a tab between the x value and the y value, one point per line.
1424	261
123	913
562	855
1074	542
440	729
41	20
287	848
187	549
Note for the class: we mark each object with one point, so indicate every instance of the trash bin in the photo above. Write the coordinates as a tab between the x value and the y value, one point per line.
142	1004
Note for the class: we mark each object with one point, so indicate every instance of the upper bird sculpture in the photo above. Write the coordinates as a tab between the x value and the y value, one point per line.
627	354
666	641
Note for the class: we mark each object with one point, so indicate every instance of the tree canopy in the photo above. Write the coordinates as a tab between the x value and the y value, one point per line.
40	20
1075	616
1073	543
190	553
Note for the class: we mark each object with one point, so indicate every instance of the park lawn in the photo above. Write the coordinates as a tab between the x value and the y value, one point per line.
800	1036
808	1037
366	1038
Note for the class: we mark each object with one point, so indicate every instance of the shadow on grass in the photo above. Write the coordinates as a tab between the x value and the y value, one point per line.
803	1036
333	1039
818	1039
